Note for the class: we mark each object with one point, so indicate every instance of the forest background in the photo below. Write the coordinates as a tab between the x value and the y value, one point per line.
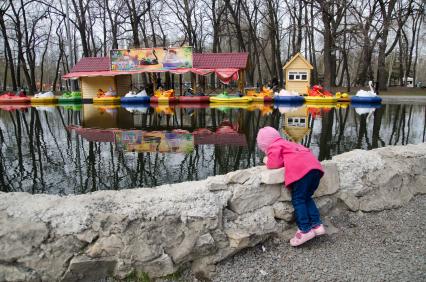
349	42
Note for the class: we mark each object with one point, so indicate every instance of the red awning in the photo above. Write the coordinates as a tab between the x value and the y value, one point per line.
74	75
224	74
224	65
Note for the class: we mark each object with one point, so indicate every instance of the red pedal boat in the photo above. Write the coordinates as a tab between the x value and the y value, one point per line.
11	98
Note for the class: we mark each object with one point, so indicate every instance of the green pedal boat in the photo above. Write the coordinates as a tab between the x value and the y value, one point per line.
70	97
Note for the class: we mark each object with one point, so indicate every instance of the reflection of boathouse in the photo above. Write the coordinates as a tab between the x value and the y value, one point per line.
296	124
106	116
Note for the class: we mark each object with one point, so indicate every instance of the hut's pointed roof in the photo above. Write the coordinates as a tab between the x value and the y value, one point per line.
298	55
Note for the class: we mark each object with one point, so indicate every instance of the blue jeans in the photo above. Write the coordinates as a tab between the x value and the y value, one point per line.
305	209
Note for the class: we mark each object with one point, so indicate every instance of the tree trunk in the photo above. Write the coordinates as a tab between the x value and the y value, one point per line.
80	13
381	64
44	56
328	57
237	24
417	52
8	51
6	67
58	64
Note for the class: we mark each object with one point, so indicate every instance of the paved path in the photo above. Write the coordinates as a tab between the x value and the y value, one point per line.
384	246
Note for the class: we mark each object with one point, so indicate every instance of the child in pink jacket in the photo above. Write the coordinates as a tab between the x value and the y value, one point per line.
302	175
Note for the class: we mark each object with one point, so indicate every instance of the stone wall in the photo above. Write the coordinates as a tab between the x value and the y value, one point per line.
157	231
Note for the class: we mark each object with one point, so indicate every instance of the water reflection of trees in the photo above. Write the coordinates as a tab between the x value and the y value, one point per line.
39	155
342	129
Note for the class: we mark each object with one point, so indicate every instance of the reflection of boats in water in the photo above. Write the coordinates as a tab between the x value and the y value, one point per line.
11	108
45	108
143	109
363	111
72	107
264	108
288	107
193	105
107	108
317	110
164	109
366	105
364	108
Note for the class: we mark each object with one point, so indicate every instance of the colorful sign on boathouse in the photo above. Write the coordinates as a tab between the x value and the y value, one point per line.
151	59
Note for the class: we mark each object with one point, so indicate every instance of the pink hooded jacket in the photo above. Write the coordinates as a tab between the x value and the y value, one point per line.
297	159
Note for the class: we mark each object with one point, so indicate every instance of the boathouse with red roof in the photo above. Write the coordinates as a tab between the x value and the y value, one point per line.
95	72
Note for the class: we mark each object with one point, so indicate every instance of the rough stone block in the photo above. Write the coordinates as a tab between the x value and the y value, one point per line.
325	204
223	197
284	210
354	166
349	200
247	176
83	268
330	182
258	222
105	247
204	246
13	273
205	241
87	236
159	267
18	237
285	194
51	258
238	239
272	176
142	250
419	184
388	197
216	183
248	198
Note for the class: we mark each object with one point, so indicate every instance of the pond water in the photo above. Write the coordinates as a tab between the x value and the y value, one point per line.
80	149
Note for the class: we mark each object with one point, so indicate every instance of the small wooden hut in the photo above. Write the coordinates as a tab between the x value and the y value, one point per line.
298	74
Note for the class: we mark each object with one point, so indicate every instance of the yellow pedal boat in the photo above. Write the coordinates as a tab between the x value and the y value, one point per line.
106	100
225	98
44	100
318	100
343	97
260	98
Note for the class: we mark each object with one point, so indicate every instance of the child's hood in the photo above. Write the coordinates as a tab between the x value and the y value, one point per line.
266	137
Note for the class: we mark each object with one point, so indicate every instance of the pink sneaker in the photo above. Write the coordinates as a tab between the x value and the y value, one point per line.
319	230
300	238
